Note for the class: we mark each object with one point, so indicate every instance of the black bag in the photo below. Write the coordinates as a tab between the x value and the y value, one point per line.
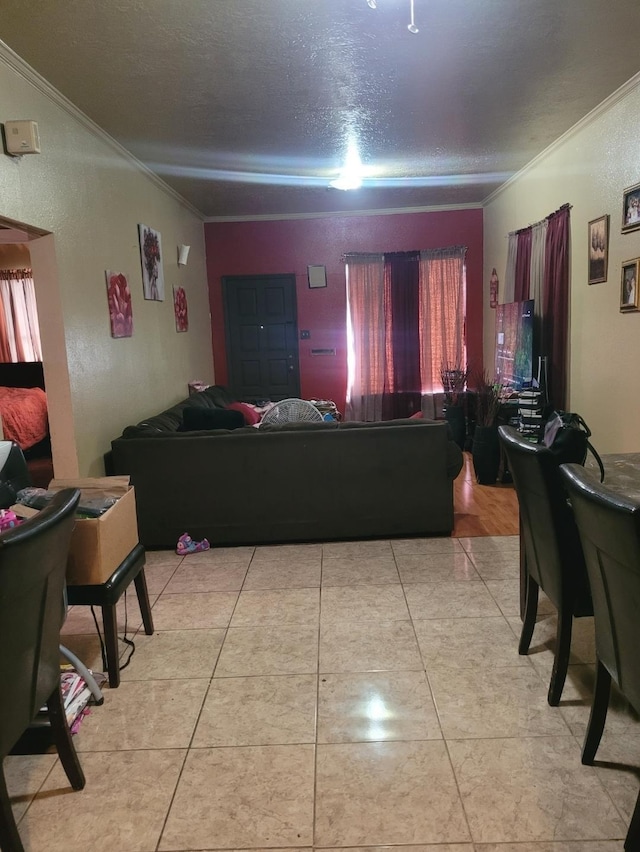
567	436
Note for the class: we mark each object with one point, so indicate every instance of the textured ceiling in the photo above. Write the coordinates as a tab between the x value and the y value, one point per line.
247	107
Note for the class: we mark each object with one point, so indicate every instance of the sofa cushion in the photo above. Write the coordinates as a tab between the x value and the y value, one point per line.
197	418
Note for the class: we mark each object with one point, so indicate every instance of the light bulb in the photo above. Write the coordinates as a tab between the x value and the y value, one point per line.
372	4
412	26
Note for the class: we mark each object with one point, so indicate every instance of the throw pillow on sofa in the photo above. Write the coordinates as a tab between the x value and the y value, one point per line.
251	416
197	419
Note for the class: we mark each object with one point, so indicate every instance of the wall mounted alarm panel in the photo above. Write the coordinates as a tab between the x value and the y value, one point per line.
22	137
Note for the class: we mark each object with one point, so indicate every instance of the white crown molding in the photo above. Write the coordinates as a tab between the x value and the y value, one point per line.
17	64
603	107
393	211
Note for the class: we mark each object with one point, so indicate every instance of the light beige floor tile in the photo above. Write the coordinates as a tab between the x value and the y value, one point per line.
369	646
617	765
569	846
386	793
356	549
157	558
436	568
243	797
221	556
273	710
143	714
498	566
123	805
277	606
193	611
483	544
363	603
80	620
276	575
285	553
450	600
467	643
531	789
175	654
351	571
158	574
575	704
425	546
375	706
24	775
506	594
289	649
438	847
493	702
543	641
190	578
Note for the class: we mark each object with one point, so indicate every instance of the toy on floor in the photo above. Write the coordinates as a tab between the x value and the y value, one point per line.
187	545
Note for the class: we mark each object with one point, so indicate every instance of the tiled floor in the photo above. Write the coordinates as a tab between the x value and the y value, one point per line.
359	695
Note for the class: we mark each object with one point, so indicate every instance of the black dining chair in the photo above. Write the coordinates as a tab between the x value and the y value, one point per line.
553	559
33	560
609	526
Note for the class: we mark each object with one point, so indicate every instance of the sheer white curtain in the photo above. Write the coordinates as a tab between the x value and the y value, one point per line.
536	289
442	313
19	326
365	336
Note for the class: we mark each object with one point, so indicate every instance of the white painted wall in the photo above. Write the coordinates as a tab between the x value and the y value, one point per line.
588	168
91	198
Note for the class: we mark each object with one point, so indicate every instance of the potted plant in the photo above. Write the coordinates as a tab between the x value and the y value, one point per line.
454	383
486	445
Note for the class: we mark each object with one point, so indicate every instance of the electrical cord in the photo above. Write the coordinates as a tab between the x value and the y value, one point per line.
125	639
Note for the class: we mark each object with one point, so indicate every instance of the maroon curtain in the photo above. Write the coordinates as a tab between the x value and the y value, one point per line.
402	393
523	266
555	330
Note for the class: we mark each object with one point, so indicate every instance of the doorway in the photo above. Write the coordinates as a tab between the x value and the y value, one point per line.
261	327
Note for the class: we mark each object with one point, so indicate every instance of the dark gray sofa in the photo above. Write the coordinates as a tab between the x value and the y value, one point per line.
297	482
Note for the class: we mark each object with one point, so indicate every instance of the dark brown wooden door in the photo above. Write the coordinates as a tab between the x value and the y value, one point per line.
262	336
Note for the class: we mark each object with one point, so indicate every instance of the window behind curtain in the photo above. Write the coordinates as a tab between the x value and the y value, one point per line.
441	324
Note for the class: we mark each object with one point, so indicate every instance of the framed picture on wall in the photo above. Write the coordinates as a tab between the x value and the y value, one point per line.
629	285
598	249
631	208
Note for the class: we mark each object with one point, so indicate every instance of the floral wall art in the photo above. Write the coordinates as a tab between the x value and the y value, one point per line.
119	297
180	308
151	260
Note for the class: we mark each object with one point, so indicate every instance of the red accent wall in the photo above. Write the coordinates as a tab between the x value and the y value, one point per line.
289	246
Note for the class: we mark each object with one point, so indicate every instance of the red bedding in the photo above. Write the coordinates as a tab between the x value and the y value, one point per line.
24	415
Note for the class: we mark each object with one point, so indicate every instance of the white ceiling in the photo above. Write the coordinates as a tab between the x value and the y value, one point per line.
246	107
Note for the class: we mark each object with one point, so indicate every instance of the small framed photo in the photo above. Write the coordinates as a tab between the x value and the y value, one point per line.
631	208
317	276
598	249
629	285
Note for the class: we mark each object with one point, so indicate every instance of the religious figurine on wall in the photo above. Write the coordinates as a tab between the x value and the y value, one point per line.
493	289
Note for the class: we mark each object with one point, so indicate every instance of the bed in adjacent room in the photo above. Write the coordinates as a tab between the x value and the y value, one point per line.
24	416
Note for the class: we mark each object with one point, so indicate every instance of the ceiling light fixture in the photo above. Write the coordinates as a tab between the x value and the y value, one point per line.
351	174
411	26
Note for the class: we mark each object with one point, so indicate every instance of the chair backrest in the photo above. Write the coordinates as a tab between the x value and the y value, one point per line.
33	560
551	540
609	527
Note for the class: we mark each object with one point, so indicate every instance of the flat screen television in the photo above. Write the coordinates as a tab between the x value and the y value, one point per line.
514	345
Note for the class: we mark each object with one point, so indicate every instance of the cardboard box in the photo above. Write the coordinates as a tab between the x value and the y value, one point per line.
98	545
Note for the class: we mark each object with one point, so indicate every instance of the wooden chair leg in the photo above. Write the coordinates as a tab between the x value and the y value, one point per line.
62	739
598	715
561	656
110	624
9	837
530	613
632	840
143	600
